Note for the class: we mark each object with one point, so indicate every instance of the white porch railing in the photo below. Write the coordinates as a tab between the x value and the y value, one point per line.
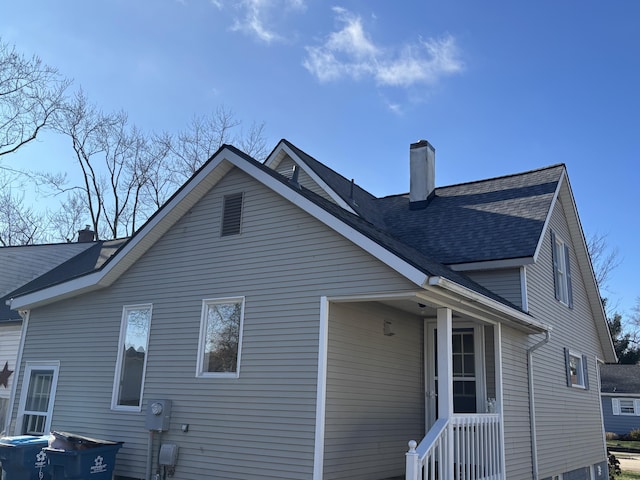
463	447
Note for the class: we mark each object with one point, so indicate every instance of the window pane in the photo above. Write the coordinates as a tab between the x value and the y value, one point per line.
457	366
133	354
575	370
39	390
626	406
37	402
457	343
222	337
468	343
469	366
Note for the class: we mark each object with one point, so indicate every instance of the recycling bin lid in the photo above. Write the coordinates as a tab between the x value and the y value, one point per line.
83	440
24	440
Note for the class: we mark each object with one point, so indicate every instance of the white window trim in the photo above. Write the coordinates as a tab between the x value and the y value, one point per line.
561	271
53	365
617	409
118	372
200	373
580	377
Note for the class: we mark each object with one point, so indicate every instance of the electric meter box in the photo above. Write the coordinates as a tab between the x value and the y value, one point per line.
158	415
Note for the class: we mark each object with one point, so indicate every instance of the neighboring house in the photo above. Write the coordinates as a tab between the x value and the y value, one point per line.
620	392
18	266
294	326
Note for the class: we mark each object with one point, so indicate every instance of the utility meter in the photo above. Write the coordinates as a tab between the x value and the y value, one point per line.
158	415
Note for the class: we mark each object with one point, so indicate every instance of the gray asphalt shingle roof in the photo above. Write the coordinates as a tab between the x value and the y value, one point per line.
620	379
493	219
487	220
87	261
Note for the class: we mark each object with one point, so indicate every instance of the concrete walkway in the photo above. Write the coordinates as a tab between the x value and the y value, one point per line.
629	462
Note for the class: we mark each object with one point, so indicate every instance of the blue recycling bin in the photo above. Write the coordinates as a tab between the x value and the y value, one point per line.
81	457
23	457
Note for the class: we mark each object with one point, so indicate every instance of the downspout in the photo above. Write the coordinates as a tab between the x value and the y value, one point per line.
14	387
532	409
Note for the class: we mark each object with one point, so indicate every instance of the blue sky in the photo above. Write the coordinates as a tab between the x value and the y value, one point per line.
497	87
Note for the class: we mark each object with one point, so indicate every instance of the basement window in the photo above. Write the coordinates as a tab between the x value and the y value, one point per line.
231	214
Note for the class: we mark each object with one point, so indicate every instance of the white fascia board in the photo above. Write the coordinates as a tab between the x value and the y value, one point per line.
180	204
620	394
549	214
139	243
491	264
60	291
503	310
309	171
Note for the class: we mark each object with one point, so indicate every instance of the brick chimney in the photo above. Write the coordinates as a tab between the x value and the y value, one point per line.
86	235
422	170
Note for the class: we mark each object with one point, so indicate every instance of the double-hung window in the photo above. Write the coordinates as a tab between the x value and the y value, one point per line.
220	337
577	370
132	358
37	398
561	270
625	406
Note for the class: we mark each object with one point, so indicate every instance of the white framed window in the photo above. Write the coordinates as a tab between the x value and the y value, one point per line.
220	337
561	270
131	365
577	370
625	406
37	398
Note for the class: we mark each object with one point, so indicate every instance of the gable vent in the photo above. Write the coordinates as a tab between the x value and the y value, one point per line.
231	214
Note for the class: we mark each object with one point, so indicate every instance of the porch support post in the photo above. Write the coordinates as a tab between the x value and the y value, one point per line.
445	367
445	381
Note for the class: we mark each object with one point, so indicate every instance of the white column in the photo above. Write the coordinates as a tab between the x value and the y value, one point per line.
445	380
445	367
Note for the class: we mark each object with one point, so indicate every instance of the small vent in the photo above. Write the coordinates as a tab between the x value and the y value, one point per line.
232	214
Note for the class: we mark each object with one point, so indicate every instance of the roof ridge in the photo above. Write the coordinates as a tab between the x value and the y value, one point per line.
483	180
324	165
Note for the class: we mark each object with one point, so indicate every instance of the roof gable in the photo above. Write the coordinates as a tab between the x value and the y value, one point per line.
364	224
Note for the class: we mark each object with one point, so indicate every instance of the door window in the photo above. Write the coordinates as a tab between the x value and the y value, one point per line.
36	401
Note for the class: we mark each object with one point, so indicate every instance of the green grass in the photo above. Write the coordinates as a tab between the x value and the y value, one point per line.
629	476
623	443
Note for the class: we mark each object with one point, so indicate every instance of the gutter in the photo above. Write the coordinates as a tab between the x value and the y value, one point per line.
517	315
532	409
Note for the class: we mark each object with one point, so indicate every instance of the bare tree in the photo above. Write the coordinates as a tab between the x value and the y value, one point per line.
205	134
113	159
31	93
603	258
20	224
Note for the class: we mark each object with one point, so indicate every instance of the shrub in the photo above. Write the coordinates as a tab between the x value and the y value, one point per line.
614	467
634	434
611	436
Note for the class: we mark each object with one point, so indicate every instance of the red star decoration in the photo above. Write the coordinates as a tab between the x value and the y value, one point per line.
5	374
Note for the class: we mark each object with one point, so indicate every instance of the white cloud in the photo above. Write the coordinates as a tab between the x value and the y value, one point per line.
255	17
349	52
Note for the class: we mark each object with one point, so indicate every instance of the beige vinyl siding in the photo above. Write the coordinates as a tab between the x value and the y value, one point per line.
517	432
375	392
504	282
260	425
285	167
568	419
9	344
